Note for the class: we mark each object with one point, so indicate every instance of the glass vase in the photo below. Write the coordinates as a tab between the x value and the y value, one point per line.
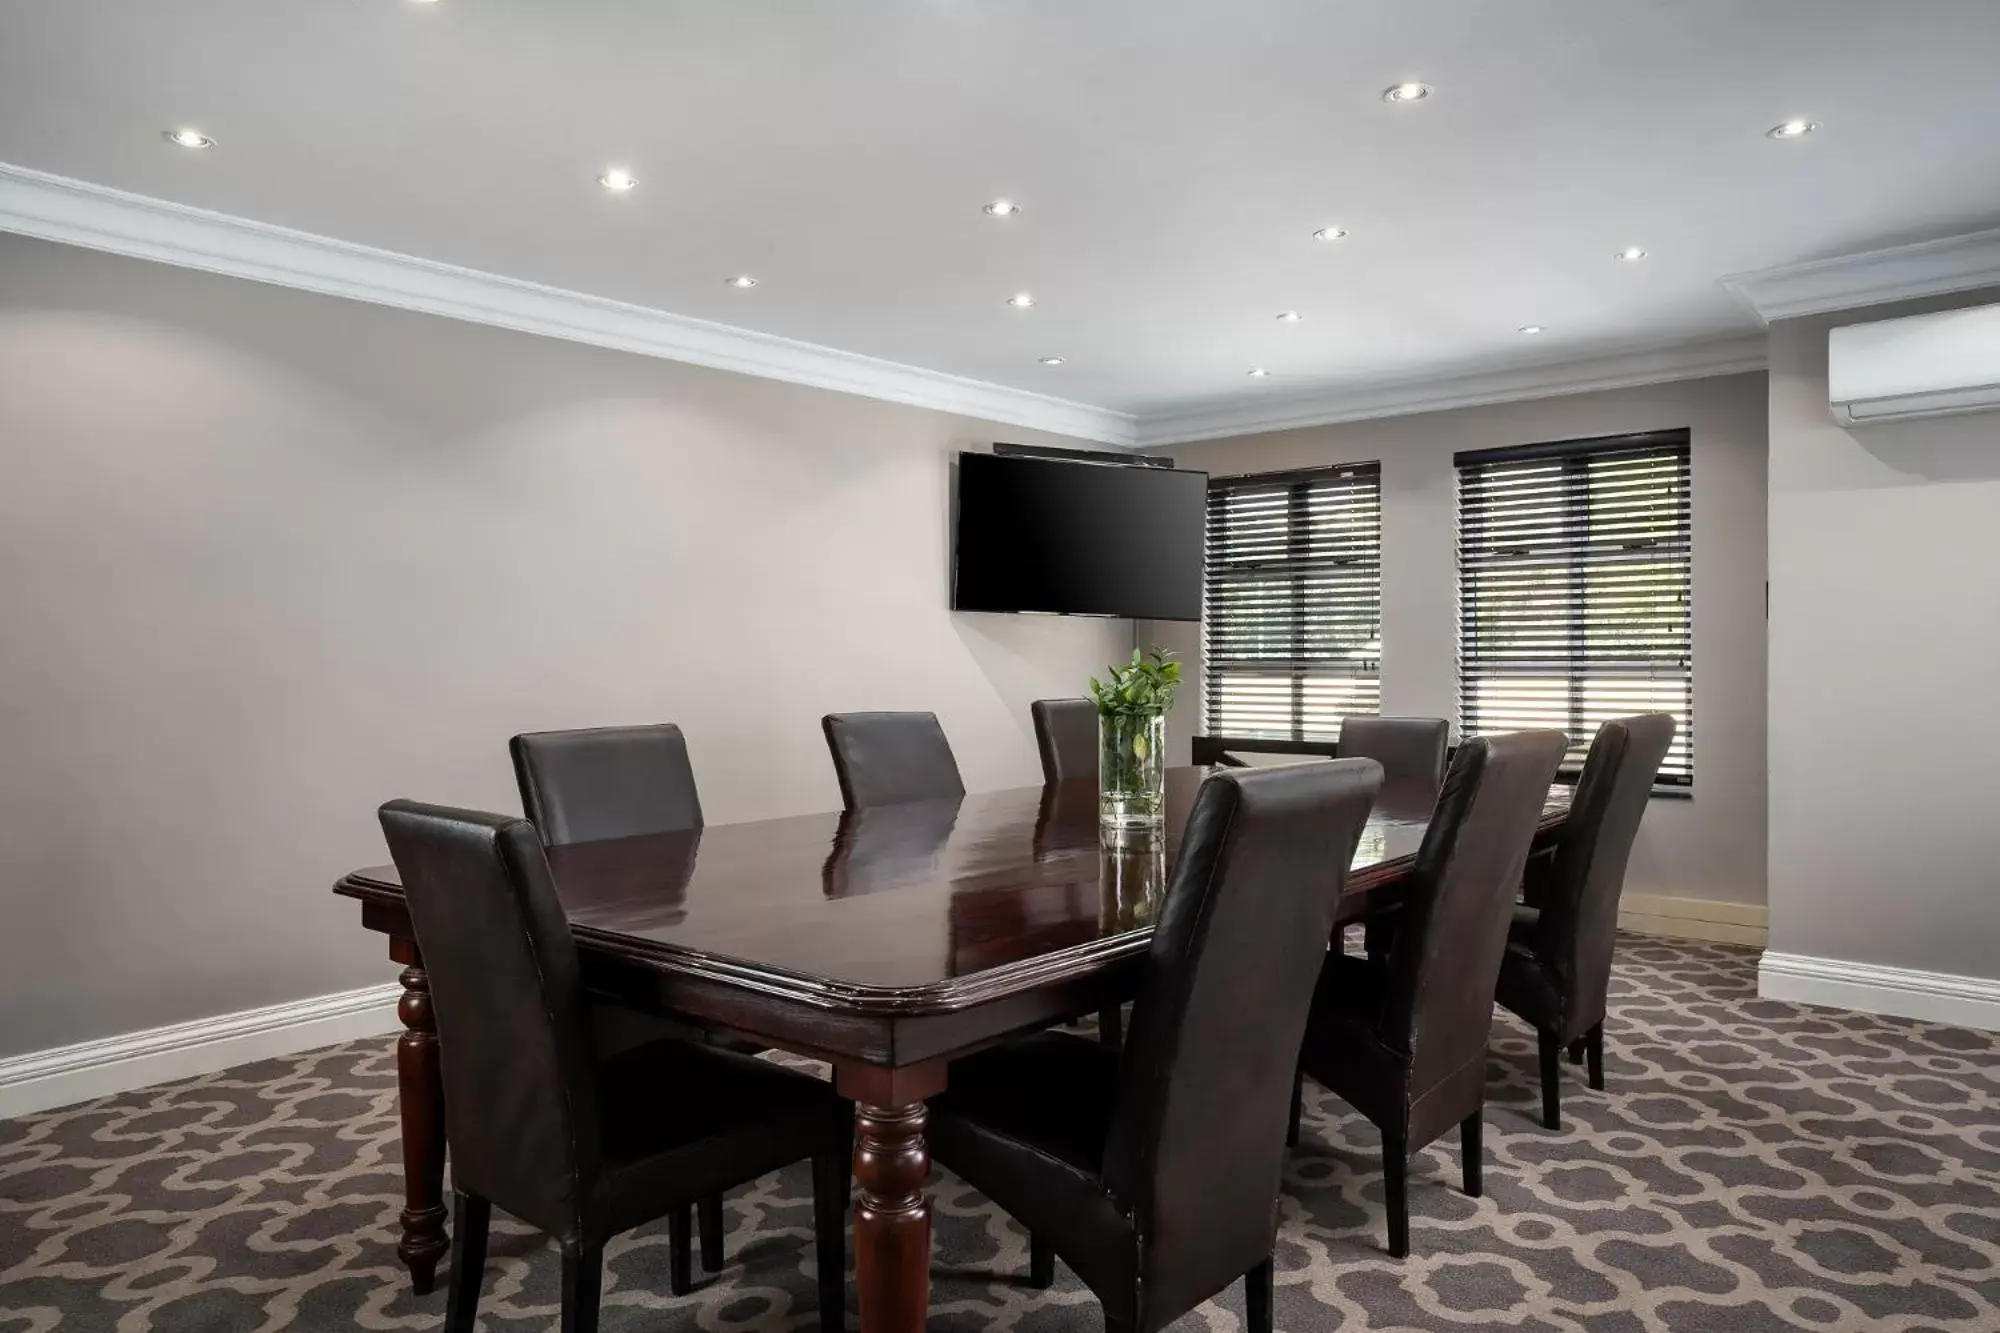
1131	769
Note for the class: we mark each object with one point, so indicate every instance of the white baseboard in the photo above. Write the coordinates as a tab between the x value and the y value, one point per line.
40	1080
1694	919
1936	997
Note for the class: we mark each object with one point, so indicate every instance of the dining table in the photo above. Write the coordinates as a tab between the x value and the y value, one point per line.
886	942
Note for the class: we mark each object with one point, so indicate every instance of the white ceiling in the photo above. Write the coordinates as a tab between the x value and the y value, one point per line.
1172	159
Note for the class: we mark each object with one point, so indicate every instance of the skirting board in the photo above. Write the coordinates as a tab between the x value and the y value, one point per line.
1936	997
41	1080
1693	919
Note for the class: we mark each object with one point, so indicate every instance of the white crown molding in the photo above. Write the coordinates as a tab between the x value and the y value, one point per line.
1240	416
55	208
68	1074
1899	273
1934	997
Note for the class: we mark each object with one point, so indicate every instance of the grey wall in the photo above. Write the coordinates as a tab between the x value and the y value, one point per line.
1885	657
271	558
1708	847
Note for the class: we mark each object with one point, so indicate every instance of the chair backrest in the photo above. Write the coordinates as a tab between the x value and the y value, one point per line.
1066	734
1410	749
513	1036
886	758
606	782
1198	1143
1579	918
1452	930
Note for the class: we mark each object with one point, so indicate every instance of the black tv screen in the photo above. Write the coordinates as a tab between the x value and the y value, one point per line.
1098	539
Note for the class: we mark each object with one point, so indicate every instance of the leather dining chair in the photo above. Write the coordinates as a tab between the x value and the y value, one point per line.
1410	749
1556	973
1154	1174
606	782
1066	735
886	758
621	782
1402	1038
580	1146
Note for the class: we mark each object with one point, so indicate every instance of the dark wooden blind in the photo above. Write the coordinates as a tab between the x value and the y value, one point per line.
1573	572
1292	630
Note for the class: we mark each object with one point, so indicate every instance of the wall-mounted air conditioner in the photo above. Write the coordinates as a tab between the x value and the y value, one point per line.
1920	366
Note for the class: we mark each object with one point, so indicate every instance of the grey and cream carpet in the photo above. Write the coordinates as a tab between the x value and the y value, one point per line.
1754	1167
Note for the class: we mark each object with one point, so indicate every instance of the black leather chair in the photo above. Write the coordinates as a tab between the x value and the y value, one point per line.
620	782
1402	1038
537	1122
605	782
1410	749
1557	970
1155	1175
886	758
1066	734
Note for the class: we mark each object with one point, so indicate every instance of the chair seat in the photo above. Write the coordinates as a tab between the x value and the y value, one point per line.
688	1121
1026	1124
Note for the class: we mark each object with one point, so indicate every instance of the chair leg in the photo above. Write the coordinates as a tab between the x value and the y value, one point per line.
582	1280
1593	1046
1111	1027
1041	1262
680	1256
470	1215
708	1221
1576	1051
1396	1193
1257	1293
1551	1051
1298	1107
832	1183
1469	1150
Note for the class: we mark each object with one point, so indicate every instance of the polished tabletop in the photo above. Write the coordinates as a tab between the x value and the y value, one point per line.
906	902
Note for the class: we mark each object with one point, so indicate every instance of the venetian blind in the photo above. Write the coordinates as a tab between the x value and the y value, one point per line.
1573	567
1292	629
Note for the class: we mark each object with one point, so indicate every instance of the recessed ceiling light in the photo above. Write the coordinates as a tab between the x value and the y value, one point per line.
1406	92
1002	208
1289	317
1529	329
1631	254
617	180
1020	300
1792	129
741	280
187	138
1330	234
1052	360
1258	373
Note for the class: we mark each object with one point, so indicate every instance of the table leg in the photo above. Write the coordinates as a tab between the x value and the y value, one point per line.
420	1093
892	1215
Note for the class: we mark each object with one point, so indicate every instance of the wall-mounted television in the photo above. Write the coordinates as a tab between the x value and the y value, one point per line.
1078	538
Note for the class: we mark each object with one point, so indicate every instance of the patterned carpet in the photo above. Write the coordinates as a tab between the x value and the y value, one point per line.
1755	1167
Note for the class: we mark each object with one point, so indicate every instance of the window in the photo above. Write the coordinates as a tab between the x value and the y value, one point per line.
1292	631
1573	572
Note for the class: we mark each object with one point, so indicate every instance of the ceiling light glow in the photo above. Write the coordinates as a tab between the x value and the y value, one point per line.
1631	254
1052	360
1529	329
742	281
1020	300
188	138
1405	92
1258	373
1792	129
1002	208
1330	234
617	180
1289	317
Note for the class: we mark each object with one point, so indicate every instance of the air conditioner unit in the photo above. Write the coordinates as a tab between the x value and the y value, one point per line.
1920	366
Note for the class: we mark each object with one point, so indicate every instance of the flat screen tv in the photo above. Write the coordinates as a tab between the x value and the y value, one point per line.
1073	538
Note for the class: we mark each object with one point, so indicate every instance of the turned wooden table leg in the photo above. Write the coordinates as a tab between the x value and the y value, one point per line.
420	1089
892	1213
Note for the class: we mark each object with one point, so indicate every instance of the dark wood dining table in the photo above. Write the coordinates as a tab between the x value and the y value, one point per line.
887	942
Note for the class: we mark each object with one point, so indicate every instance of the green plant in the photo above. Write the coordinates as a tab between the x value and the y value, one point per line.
1139	688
